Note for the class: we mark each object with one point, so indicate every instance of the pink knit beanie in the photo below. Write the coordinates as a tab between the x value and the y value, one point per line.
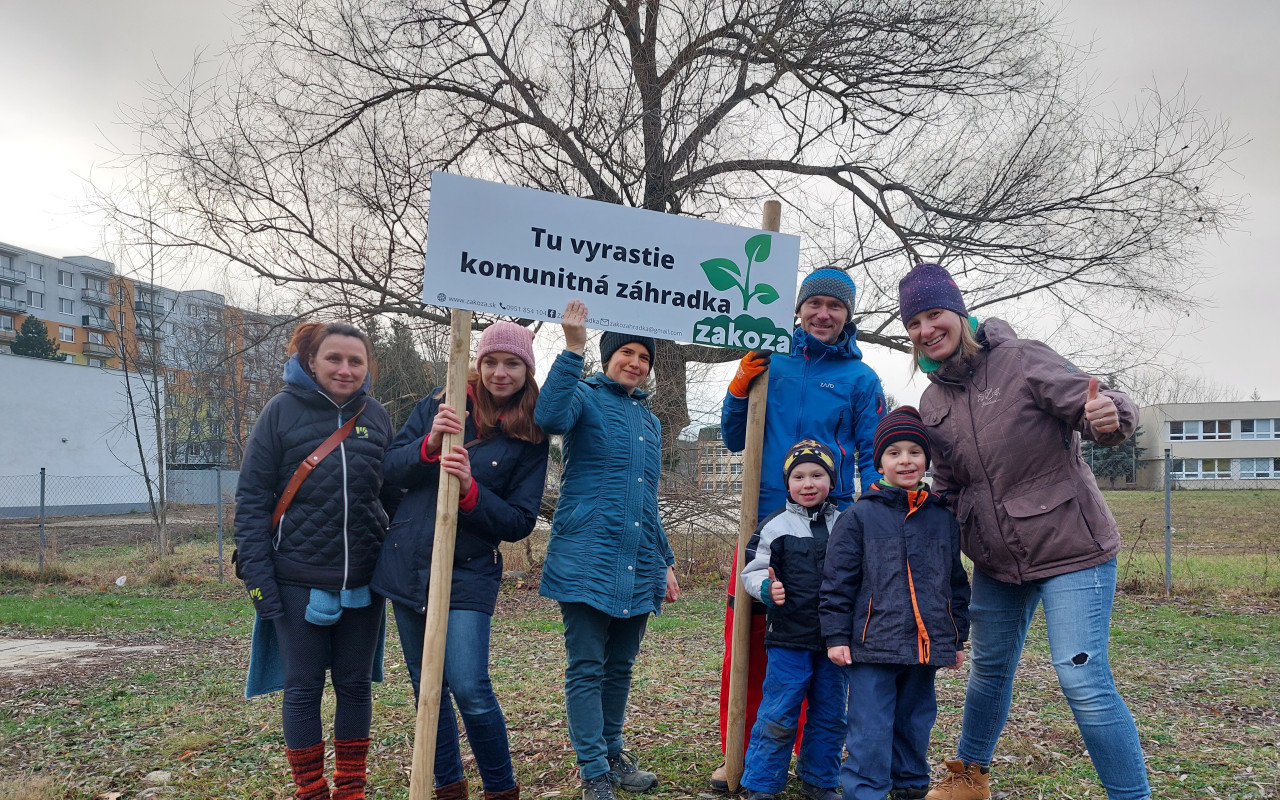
507	337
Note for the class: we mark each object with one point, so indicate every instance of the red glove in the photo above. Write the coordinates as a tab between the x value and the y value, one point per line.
749	368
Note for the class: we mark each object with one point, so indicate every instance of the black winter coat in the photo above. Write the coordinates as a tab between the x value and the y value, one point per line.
330	536
793	542
510	475
894	590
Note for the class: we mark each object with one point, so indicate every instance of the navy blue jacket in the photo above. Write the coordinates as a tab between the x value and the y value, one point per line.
894	590
510	475
820	391
607	548
330	536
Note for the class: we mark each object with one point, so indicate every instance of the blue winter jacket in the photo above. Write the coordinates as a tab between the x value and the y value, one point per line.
820	391
893	587
510	475
607	546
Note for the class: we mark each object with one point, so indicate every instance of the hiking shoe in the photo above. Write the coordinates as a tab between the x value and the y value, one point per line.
720	779
908	794
962	782
625	772
599	788
817	792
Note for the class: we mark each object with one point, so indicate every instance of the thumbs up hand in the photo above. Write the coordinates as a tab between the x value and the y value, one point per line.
1100	410
776	593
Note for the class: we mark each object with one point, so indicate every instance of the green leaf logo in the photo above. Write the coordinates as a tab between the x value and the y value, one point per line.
723	273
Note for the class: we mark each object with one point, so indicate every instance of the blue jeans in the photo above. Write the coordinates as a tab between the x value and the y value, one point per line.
790	677
892	708
601	651
466	682
1077	612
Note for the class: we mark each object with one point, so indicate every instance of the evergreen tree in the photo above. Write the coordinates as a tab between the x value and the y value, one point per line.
33	341
1120	461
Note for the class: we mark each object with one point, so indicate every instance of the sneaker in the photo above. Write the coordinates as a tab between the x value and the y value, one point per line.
908	794
598	788
625	772
962	782
817	792
720	779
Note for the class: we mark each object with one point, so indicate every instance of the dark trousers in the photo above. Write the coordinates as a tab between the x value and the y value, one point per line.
892	708
345	649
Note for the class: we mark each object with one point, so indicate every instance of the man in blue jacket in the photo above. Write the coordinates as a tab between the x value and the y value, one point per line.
822	390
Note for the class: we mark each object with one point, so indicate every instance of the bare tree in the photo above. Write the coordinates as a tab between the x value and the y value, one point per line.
895	130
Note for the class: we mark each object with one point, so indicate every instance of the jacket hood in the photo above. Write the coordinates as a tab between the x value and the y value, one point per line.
296	376
844	347
600	379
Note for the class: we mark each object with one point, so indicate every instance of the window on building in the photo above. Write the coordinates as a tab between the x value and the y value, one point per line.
6	323
35	271
1260	429
1203	469
735	469
6	291
67	357
97	338
6	262
35	299
1195	430
66	278
193	310
1260	468
97	362
65	306
66	334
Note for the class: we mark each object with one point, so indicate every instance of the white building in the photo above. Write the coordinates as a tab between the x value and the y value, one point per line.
1233	445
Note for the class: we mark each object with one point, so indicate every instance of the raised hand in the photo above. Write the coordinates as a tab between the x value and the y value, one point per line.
776	591
574	322
749	369
1100	410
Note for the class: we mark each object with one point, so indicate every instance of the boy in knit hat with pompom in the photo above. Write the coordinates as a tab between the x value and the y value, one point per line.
894	607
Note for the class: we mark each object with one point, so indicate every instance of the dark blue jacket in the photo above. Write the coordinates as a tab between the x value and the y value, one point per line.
607	548
894	590
510	475
330	536
820	391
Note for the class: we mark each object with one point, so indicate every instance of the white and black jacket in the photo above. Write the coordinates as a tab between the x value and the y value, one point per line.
331	534
793	541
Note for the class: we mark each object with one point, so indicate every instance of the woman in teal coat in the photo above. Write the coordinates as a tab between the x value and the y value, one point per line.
608	563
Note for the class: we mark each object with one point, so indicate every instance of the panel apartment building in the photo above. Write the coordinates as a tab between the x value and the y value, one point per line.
1226	445
219	363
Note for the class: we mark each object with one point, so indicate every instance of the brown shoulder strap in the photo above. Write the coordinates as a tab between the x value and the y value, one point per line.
309	463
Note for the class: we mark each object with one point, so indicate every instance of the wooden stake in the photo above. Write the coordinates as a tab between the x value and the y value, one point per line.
740	650
421	779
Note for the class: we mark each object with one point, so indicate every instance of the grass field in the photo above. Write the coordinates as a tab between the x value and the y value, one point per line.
1199	671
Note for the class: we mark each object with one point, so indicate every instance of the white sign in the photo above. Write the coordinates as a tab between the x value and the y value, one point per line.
520	252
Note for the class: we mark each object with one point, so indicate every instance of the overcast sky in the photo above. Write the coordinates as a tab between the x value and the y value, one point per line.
67	66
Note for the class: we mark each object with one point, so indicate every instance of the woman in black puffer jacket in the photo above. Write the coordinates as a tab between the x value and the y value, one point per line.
502	469
309	575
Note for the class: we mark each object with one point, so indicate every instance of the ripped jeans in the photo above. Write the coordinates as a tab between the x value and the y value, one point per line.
1077	610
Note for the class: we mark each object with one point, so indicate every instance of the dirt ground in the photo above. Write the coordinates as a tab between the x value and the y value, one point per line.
20	538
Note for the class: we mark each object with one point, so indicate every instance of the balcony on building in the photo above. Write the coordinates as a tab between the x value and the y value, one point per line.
148	330
147	307
12	304
95	349
8	334
97	323
12	276
102	298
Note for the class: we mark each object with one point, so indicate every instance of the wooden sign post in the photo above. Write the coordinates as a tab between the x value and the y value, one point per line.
421	778
739	657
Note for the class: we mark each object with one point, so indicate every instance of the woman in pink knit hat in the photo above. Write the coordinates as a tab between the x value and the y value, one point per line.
502	468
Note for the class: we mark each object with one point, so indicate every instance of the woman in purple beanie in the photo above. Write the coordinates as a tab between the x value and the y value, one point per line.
502	469
1005	417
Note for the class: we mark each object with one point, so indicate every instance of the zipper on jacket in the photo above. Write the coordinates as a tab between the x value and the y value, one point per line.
868	622
346	545
973	426
840	472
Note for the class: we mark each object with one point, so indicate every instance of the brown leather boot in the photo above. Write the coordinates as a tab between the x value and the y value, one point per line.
454	791
350	757
307	764
962	782
507	794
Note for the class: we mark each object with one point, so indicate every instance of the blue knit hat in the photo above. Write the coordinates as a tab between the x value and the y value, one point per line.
830	282
928	286
610	341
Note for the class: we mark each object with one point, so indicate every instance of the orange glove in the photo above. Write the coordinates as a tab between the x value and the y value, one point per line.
749	368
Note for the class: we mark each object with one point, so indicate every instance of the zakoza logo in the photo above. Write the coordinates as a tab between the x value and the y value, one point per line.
743	331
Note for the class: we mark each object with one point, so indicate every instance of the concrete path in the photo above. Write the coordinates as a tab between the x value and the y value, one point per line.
26	656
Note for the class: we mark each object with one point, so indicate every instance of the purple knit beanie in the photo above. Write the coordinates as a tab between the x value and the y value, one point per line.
928	286
507	337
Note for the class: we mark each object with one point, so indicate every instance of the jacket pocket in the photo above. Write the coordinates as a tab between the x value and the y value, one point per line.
940	439
1048	526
